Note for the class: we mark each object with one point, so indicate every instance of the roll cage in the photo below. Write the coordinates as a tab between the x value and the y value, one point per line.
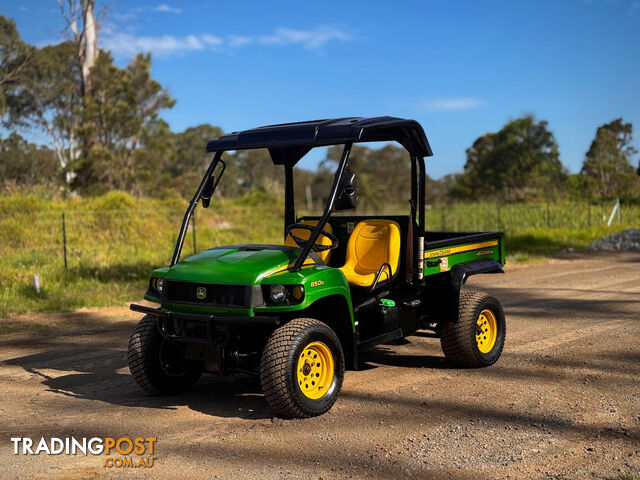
288	143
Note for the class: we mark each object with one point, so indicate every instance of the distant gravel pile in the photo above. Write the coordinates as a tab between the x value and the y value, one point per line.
625	241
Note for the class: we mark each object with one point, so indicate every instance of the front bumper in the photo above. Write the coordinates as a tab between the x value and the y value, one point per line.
197	328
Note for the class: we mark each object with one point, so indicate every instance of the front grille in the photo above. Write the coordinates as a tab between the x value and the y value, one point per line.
216	294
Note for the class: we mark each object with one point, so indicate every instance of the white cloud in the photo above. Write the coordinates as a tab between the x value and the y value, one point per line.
239	41
212	39
163	7
450	104
308	38
126	44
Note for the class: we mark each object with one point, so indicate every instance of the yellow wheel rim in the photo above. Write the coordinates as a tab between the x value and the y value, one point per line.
486	331
315	370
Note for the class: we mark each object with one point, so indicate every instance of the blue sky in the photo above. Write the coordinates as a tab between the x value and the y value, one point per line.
461	68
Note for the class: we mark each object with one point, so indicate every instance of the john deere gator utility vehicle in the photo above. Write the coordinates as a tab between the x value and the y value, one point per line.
300	312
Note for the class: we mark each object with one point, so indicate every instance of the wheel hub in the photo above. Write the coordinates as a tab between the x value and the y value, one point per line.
486	331
315	370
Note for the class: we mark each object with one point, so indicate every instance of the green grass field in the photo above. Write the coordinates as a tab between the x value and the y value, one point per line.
115	240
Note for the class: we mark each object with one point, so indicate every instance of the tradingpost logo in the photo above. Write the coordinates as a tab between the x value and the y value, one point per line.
123	452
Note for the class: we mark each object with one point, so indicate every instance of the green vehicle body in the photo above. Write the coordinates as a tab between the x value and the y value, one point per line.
268	267
325	287
424	294
253	268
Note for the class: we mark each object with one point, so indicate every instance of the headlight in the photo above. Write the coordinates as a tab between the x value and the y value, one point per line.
278	293
159	285
281	295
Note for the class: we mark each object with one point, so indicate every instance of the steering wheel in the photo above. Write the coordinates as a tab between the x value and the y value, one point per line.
301	242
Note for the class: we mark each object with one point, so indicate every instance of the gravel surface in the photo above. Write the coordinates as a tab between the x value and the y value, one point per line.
562	402
625	241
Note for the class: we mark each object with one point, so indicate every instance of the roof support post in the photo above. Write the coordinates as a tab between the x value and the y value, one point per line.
421	195
414	185
421	218
327	210
289	200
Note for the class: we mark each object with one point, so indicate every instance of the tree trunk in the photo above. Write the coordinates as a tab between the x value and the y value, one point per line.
90	44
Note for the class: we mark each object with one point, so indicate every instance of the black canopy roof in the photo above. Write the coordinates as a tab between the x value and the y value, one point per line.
288	142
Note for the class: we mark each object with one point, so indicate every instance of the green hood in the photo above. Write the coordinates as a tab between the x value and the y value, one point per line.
239	265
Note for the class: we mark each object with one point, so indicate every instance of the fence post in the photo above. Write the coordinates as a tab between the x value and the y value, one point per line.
548	216
64	240
193	222
616	206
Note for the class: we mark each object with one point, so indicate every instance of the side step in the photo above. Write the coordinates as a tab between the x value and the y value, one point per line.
384	338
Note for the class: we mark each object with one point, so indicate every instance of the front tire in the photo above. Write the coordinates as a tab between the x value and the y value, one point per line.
477	339
302	369
158	365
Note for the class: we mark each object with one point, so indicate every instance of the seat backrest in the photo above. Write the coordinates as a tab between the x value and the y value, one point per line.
322	240
372	243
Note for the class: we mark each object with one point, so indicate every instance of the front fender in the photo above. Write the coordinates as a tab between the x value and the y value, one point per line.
319	282
327	298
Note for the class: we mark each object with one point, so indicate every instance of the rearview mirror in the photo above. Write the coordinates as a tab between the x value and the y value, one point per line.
207	192
348	194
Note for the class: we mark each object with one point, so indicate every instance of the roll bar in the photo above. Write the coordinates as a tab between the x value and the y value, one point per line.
328	209
417	197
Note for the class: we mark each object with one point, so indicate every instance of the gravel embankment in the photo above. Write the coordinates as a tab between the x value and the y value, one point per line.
625	241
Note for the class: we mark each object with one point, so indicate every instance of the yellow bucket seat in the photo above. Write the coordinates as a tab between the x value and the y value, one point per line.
305	234
371	244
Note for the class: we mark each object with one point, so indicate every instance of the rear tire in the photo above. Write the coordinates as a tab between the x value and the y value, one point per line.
477	339
302	369
158	365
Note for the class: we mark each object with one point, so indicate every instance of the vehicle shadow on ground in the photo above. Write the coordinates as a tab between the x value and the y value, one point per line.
540	302
387	355
102	374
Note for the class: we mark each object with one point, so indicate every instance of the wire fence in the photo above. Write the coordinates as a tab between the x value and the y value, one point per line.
84	237
75	237
516	217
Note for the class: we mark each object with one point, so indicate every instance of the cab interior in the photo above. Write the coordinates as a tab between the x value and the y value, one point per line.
369	247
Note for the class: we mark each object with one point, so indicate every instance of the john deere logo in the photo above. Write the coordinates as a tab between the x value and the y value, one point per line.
201	293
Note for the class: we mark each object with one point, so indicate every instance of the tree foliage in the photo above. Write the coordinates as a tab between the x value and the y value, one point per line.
383	174
48	99
189	148
120	129
14	59
24	164
608	166
519	162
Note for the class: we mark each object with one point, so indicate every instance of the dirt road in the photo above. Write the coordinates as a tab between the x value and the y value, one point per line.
562	402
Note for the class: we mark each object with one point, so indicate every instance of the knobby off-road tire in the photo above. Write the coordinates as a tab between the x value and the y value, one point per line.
156	364
462	341
286	354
